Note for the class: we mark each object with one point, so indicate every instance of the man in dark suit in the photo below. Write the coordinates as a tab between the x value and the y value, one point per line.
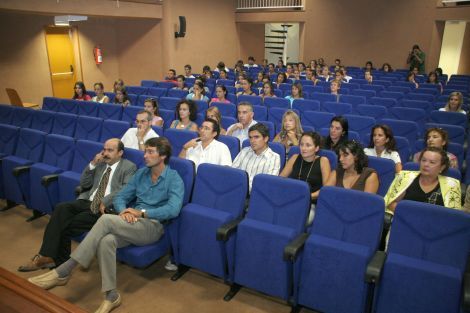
101	180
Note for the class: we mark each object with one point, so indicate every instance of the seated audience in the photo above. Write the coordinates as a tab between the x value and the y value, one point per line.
198	92
221	94
100	96
369	67
186	112
171	76
268	90
368	77
187	71
222	75
346	77
121	97
151	106
382	144
206	148
246	84
281	79
438	137
432	79
245	121
296	93
259	78
325	73
251	62
271	69
280	65
80	93
180	79
454	104
416	58
157	192
118	83
410	77
206	72
338	133
258	158
387	68
352	171
309	166
136	137
426	185
291	130
221	65
335	86
202	80
108	172
214	113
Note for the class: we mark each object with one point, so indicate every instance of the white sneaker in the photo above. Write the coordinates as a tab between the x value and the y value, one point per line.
171	266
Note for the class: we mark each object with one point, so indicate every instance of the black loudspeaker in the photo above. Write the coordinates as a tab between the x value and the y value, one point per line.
182	30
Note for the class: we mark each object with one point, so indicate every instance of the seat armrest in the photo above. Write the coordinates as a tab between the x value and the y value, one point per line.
466	288
46	180
375	266
225	231
388	218
17	171
294	247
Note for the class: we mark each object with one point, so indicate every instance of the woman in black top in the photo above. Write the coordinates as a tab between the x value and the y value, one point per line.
308	166
338	133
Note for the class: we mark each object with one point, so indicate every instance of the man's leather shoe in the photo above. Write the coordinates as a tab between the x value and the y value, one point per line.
107	306
38	262
49	280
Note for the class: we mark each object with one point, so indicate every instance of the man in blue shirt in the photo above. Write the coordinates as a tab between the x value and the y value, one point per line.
157	192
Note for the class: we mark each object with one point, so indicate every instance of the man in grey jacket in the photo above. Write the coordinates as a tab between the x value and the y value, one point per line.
101	180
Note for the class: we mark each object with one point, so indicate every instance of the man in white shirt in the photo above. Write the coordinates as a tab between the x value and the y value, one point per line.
251	62
245	121
206	148
135	137
187	71
258	158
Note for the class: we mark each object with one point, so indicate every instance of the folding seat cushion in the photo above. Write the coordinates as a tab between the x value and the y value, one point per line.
343	239
58	156
218	198
426	259
43	120
88	128
64	124
113	129
29	150
277	213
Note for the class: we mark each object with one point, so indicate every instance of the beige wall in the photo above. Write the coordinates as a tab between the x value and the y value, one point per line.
464	66
251	38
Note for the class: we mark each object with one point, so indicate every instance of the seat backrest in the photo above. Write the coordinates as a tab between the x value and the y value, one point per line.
275	115
403	147
226	109
260	112
85	151
430	232
409	114
148	83
6	113
330	155
360	124
201	106
279	201
407	129
385	169
317	120
337	108
456	133
365	93
110	111
137	90
452	118
50	104
254	100
88	108
168	117
384	101
30	144
178	138
187	172
375	111
141	100
59	151
354	100
322	97
113	129
302	105
233	144
88	128
43	120
349	215
271	102
177	93
68	106
64	124
135	156
22	117
129	113
8	138
221	187
168	103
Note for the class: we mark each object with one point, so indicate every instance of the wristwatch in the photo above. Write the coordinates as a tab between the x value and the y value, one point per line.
141	142
143	213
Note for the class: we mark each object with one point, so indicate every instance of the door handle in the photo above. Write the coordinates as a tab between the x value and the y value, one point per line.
71	68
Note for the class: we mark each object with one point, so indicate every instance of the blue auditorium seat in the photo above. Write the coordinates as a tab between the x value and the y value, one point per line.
110	111
456	133
303	105
227	121
403	147
178	138
353	100
409	114
68	106
177	93
137	90
226	109
166	85
218	198
135	156
419	97
6	113
407	129
8	141
254	100
322	97
157	91
260	112
330	155
232	143
275	146
22	117
143	256
337	108
58	156
64	124
416	104
201	106
426	260
317	120
375	111
452	118
168	117
365	93
141	100
43	120
168	103
148	83
88	108
50	104
360	124
385	169
129	113
275	116
392	95
329	273
386	102
88	128
277	214
113	129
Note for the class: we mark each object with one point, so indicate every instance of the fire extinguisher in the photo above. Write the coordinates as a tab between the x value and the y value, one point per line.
98	55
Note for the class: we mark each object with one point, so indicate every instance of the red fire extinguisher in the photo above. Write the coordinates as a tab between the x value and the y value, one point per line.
98	55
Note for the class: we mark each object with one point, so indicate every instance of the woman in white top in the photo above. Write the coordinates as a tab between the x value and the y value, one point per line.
383	145
100	96
455	103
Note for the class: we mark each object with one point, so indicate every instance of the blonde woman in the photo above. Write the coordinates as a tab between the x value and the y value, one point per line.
214	113
454	104
291	130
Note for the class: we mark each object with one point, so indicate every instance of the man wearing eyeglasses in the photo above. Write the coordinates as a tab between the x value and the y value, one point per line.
206	148
136	137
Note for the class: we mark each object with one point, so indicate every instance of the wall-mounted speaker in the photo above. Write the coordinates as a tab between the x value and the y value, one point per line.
182	30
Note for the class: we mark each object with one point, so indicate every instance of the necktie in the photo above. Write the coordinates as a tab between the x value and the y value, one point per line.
95	204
